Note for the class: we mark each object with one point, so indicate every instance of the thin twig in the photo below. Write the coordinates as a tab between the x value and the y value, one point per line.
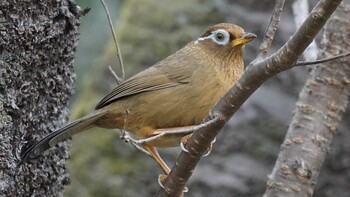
271	29
306	63
113	74
119	56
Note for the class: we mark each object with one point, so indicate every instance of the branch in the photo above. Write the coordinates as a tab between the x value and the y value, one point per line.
324	60
117	79
257	72
320	107
119	56
271	30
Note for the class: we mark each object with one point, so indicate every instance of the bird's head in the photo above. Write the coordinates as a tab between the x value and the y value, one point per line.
224	39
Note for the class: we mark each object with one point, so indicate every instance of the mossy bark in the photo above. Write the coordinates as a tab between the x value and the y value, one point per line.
37	45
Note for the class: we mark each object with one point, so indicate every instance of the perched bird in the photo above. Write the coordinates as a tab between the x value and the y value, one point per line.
177	92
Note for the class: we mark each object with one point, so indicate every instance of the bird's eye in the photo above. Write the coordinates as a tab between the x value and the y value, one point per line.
220	37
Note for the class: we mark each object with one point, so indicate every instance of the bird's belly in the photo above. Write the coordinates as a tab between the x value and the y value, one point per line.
177	108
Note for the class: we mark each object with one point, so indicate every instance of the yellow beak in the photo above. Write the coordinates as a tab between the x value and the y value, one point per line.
245	38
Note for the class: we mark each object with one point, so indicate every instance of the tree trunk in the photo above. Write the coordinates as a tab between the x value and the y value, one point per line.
320	107
38	40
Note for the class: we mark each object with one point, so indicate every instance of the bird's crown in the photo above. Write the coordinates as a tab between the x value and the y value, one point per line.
224	33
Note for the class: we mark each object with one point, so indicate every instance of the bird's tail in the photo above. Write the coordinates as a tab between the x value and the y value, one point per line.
59	135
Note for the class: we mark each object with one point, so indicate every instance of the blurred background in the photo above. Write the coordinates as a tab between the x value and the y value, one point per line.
101	165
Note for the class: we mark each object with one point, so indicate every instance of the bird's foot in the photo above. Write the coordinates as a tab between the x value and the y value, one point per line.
185	140
161	179
209	148
125	136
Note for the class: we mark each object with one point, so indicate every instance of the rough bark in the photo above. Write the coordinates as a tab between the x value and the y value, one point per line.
37	44
320	107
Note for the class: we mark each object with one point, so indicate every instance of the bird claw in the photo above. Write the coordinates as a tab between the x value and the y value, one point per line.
161	179
182	145
208	151
210	148
125	136
184	141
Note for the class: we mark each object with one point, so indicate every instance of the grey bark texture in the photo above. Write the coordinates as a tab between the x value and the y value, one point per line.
38	40
321	105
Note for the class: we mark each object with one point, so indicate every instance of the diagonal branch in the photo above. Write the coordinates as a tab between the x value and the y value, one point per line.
320	107
271	29
252	78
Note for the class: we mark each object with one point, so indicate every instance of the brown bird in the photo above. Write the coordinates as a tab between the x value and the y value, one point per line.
177	92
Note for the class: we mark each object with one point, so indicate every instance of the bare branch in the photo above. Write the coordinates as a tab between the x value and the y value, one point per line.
113	74
304	63
320	107
271	29
119	56
257	72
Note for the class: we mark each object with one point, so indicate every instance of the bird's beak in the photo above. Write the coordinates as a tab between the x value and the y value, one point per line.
245	38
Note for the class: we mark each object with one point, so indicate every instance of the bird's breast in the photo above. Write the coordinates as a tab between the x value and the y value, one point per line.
183	105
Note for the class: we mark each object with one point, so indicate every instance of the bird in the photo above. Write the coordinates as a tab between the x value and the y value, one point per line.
177	92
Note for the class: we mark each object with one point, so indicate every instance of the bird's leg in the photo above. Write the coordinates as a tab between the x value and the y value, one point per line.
155	155
140	148
152	151
163	132
173	131
185	131
176	130
179	130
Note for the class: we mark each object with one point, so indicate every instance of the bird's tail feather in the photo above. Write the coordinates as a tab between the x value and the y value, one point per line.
59	135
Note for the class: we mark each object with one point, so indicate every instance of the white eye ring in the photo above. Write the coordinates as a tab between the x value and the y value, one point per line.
220	37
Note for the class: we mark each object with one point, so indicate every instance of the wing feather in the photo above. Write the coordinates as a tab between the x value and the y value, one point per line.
166	74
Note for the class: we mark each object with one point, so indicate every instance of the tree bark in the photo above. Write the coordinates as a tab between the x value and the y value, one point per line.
320	107
38	40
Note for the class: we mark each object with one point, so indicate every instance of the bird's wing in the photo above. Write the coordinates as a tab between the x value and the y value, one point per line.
165	74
